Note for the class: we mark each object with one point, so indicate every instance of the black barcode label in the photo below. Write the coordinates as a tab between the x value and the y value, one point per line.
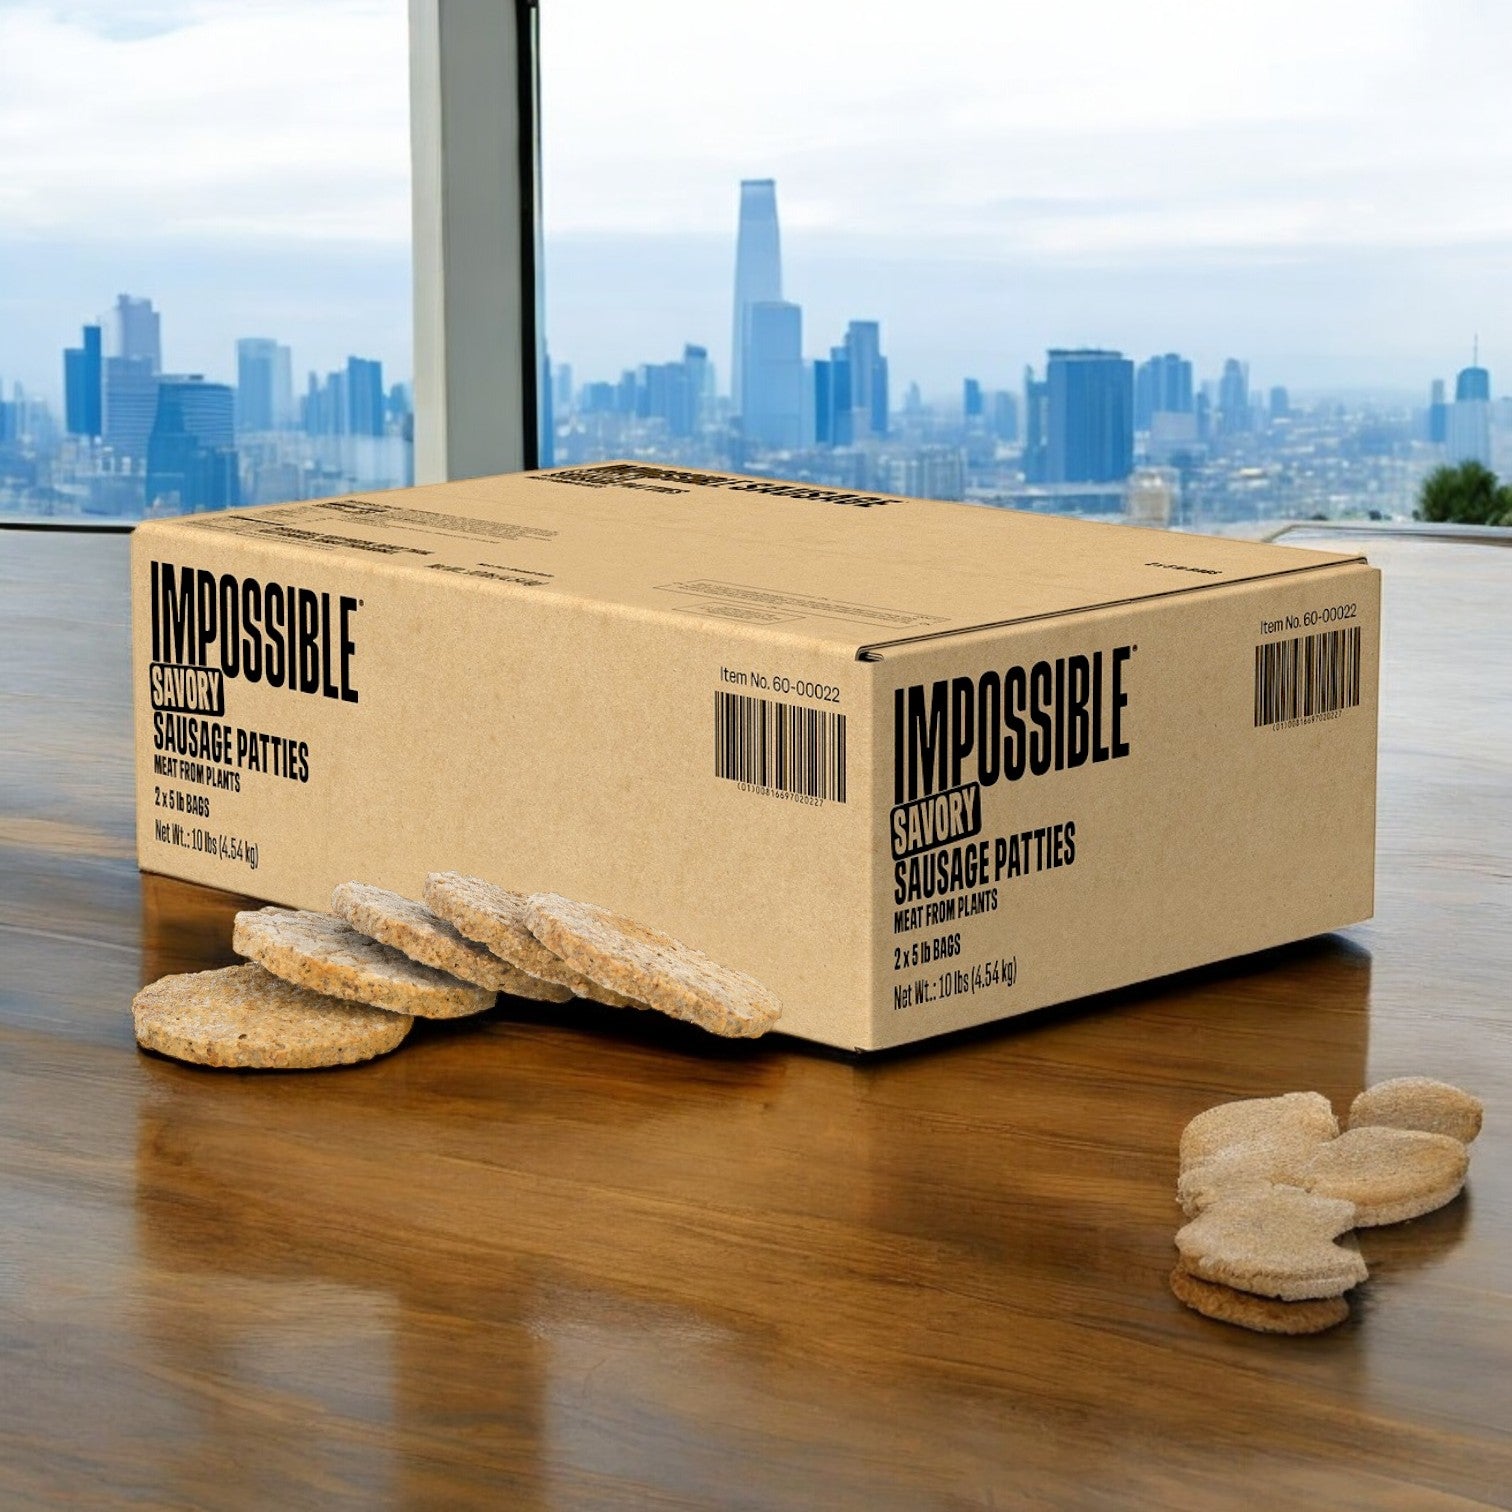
1307	676
786	748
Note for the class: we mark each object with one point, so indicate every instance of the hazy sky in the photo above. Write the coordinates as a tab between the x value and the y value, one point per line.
244	164
1319	186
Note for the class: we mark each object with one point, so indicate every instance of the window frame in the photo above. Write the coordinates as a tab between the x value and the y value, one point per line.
478	298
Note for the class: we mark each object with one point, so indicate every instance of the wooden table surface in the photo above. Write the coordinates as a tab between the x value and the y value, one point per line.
579	1259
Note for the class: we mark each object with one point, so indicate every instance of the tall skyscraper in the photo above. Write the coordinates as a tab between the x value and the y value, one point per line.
758	270
868	378
349	402
285	414
832	400
1467	424
136	331
364	396
1036	460
597	399
819	382
208	410
133	342
129	406
84	385
322	409
1091	415
1005	416
263	384
1233	397
772	391
665	392
1163	386
562	393
700	385
1438	412
1472	383
191	452
1467	432
971	399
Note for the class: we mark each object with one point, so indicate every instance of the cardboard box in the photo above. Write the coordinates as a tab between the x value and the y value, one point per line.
915	765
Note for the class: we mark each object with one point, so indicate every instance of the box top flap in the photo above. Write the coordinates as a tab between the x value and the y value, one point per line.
857	571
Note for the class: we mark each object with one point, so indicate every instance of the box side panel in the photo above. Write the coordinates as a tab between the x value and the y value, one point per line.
1206	787
686	773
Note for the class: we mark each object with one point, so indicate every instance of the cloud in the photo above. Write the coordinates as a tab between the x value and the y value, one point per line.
954	121
1320	183
277	121
1320	186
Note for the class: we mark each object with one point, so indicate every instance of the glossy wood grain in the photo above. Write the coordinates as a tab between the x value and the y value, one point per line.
573	1258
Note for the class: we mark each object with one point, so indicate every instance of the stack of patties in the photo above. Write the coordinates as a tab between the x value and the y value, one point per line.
1274	1191
338	988
604	956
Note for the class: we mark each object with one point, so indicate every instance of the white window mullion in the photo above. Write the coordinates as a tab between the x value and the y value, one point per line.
472	136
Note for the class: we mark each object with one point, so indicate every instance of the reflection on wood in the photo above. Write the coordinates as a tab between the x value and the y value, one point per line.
574	1257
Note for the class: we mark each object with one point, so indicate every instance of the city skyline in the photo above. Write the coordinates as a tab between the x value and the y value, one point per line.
1097	433
994	370
1155	439
784	398
182	442
1315	188
139	436
848	282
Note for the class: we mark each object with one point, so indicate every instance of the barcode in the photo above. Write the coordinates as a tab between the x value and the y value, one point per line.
1307	676
784	747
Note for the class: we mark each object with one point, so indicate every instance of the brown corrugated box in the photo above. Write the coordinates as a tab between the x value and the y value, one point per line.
915	765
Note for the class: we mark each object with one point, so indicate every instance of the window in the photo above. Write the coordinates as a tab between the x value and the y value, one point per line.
205	230
1195	264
